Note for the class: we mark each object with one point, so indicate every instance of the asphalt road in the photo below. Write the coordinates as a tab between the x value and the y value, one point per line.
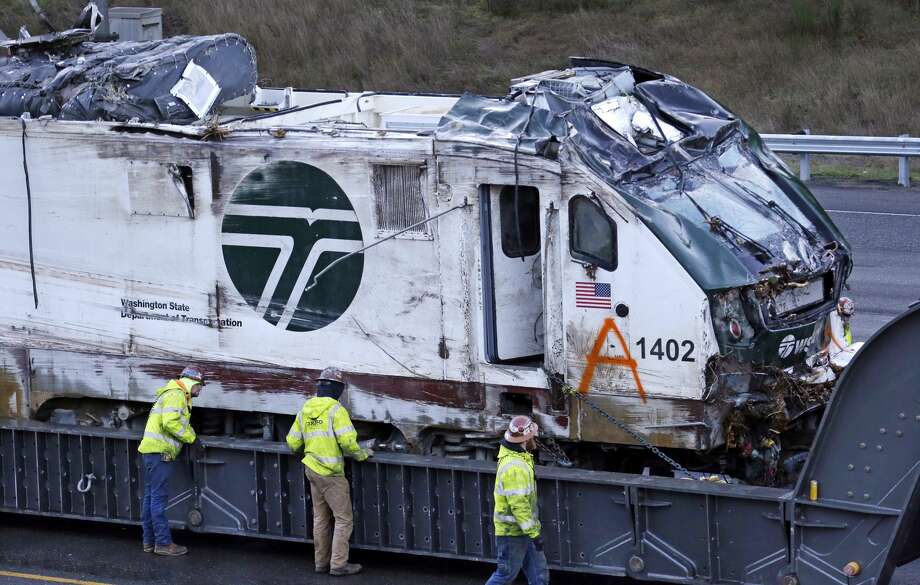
111	555
882	224
86	553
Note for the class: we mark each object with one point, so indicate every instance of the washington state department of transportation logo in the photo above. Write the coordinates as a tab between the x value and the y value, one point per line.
284	224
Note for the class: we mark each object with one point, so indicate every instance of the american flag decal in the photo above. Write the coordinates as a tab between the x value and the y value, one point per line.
592	295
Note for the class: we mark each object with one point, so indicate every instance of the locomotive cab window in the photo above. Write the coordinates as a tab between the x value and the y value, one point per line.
592	234
520	221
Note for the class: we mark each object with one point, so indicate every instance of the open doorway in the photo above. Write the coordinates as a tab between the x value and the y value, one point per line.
512	274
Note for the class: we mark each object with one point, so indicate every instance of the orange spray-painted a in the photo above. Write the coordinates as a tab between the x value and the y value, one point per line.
595	358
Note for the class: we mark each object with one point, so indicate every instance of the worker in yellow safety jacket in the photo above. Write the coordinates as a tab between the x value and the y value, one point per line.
326	434
517	516
168	427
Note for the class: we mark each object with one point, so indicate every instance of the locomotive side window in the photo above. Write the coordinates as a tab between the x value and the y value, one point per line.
592	234
520	228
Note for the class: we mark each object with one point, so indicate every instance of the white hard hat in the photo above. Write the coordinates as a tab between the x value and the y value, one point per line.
521	429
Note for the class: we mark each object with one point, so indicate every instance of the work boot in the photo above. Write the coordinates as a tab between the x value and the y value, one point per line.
170	550
321	569
148	547
346	569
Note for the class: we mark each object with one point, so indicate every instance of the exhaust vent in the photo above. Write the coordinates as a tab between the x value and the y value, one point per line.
399	199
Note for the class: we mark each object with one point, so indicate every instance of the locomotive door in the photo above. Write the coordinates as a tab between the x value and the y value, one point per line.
635	321
597	327
512	278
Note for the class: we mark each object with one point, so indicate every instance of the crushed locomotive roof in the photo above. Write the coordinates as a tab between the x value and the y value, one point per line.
700	178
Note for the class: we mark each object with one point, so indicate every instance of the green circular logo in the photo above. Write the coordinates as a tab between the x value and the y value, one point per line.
285	223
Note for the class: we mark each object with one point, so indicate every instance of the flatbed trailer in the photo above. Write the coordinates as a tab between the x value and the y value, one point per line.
849	520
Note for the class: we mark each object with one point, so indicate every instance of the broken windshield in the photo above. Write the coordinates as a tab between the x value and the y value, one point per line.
731	187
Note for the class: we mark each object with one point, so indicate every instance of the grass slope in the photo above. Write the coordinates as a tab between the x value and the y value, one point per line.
835	66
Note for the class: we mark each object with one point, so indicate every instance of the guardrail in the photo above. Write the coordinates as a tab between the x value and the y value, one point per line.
807	144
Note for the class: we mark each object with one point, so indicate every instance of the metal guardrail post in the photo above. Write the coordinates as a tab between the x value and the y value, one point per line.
805	144
805	162
104	29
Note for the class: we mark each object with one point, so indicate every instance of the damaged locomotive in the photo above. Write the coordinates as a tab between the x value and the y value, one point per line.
603	230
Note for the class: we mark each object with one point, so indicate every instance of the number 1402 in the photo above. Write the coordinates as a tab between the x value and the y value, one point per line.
670	349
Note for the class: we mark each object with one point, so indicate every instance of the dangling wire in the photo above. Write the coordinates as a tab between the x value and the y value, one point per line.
25	168
517	146
378	242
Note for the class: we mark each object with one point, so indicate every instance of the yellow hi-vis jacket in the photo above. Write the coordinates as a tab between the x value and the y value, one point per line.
168	425
516	511
324	431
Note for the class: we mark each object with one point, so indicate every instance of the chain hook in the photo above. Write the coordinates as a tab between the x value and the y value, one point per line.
88	479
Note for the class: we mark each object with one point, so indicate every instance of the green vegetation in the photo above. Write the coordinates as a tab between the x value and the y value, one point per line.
876	169
835	66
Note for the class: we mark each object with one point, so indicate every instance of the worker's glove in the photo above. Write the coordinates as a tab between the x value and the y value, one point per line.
538	543
367	447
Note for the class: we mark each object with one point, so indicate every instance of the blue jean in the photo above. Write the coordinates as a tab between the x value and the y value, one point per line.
156	495
515	553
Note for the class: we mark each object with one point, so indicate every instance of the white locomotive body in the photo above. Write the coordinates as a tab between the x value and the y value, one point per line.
464	259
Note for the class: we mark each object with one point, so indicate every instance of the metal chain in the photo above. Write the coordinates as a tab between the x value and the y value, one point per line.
555	451
632	433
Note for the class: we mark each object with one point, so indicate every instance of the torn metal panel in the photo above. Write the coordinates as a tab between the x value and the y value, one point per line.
629	118
177	80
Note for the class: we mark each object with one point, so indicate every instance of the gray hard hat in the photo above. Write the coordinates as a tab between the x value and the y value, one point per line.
332	375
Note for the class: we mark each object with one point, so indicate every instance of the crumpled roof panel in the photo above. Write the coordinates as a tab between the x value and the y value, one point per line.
505	123
179	80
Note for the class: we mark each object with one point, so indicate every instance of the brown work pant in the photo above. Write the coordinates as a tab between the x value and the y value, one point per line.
331	500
